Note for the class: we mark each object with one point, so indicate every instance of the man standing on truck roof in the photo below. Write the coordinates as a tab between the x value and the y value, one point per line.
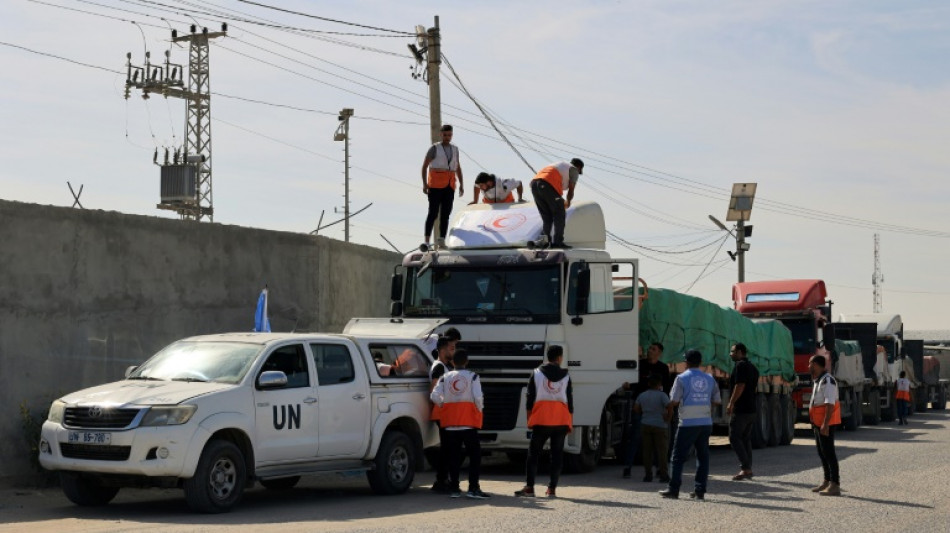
550	407
445	352
459	393
495	191
548	188
825	412
694	392
743	381
439	170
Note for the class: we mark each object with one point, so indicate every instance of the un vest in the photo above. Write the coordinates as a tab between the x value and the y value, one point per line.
696	407
550	404
436	412
458	401
557	175
816	412
441	169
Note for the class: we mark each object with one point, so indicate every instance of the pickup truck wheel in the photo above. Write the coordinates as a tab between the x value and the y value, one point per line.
394	461
219	480
283	483
85	491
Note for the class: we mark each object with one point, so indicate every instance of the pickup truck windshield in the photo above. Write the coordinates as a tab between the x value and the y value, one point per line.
478	294
219	362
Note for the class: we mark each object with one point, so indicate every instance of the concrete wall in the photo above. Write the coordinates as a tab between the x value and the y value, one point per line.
84	294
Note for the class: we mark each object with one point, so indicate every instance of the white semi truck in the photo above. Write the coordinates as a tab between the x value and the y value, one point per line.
511	301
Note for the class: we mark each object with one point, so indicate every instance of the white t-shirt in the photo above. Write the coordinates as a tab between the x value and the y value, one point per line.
903	384
825	391
501	190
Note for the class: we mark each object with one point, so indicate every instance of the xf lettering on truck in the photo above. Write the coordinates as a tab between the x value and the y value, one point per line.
289	416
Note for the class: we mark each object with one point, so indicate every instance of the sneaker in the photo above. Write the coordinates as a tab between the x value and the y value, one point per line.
823	486
697	495
833	489
441	487
440	243
456	494
626	473
477	494
663	478
527	492
670	493
550	493
647	478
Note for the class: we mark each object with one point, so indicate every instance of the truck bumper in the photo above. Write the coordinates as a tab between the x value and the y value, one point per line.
149	451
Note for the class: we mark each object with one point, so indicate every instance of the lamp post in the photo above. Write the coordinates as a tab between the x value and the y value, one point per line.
740	210
343	134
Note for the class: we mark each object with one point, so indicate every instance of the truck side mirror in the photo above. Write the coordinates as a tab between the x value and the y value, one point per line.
395	290
395	309
582	293
272	379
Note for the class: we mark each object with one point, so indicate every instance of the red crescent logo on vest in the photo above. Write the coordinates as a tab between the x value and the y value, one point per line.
506	222
459	385
554	387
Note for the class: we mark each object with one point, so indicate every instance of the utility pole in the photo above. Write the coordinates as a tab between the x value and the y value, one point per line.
343	134
186	181
877	279
434	57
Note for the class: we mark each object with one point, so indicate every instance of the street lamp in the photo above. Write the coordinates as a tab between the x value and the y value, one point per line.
740	210
342	133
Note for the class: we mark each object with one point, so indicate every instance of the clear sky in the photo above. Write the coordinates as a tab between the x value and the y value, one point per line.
838	110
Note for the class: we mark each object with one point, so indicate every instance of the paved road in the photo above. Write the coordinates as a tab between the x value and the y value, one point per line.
895	478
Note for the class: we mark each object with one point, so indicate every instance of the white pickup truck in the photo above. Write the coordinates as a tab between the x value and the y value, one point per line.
212	414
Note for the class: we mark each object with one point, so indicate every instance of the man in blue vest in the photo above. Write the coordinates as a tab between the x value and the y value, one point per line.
694	392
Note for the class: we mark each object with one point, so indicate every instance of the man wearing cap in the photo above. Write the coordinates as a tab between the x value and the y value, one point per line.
439	170
548	188
694	392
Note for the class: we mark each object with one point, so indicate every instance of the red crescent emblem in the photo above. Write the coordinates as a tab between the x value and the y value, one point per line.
455	386
506	222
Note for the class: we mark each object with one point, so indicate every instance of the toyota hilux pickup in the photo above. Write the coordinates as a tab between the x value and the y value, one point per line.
216	413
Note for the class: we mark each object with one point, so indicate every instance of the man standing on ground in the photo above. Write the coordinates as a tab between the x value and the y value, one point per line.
825	412
743	381
548	188
439	170
445	351
694	392
652	366
459	393
550	404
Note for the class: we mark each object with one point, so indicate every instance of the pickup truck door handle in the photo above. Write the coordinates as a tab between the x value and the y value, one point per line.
310	400
359	396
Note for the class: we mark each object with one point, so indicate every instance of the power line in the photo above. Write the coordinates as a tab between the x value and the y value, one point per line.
713	256
73	61
325	19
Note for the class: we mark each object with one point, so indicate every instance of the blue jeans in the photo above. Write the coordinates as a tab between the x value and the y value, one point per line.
686	438
633	440
903	407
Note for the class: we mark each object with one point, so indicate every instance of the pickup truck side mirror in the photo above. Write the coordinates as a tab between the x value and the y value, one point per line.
272	379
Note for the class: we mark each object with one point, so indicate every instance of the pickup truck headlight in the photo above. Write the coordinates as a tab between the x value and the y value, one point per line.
168	416
56	411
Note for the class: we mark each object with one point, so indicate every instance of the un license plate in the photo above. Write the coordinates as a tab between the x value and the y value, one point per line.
90	437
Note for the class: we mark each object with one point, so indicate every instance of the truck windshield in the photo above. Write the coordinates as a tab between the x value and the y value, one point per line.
218	362
804	335
478	294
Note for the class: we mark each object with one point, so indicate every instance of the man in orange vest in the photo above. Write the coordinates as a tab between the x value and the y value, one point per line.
550	407
444	354
825	412
548	188
459	394
903	398
495	191
439	170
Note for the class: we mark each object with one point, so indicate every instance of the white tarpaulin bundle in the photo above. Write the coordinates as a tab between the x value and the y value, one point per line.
513	225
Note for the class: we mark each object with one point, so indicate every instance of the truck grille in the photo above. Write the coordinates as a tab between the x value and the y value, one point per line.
99	417
95	452
504	359
502	402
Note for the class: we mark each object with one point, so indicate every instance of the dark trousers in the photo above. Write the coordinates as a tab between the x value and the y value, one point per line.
655	441
740	437
452	447
688	437
540	435
440	205
826	451
903	407
551	207
441	465
633	440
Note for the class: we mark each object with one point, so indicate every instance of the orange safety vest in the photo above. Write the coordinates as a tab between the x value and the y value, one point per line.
442	169
436	412
550	404
903	395
458	405
816	413
903	389
557	175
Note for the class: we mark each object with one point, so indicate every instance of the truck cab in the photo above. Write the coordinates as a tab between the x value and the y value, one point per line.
511	301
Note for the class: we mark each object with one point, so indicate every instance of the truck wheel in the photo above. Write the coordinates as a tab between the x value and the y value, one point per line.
850	423
592	447
394	471
789	414
760	430
219	480
889	413
941	402
85	491
873	417
775	420
921	399
282	483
